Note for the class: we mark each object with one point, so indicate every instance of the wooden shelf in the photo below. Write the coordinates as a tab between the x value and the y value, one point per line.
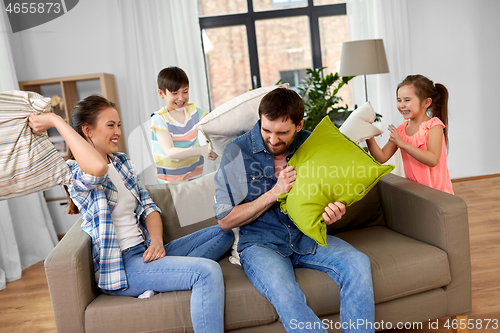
70	92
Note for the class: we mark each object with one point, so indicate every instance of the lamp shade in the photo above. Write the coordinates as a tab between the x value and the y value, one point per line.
363	57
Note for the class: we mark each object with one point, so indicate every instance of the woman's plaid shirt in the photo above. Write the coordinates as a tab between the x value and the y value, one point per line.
96	198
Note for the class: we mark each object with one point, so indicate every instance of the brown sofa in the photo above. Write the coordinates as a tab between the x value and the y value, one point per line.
416	237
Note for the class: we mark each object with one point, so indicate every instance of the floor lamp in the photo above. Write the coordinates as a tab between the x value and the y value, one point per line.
363	57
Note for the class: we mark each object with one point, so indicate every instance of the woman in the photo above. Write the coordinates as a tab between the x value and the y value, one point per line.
124	223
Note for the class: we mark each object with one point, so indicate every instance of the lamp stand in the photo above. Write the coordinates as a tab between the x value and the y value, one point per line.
366	89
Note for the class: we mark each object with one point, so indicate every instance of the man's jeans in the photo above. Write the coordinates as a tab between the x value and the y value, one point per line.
188	264
273	276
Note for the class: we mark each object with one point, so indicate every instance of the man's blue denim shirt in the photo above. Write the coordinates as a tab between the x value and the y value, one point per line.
245	173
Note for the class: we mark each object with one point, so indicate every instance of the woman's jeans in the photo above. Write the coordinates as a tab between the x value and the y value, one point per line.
188	265
273	276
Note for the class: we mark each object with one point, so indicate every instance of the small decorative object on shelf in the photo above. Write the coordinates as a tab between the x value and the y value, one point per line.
58	106
57	101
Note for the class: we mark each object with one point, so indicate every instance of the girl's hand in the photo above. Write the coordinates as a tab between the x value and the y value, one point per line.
41	123
155	251
395	137
211	154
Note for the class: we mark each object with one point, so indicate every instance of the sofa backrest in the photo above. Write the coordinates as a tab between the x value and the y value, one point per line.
365	213
187	207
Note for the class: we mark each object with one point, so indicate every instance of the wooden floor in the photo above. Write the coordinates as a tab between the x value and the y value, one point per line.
25	304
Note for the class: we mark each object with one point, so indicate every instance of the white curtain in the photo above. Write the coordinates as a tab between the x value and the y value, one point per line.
27	233
157	34
150	35
388	20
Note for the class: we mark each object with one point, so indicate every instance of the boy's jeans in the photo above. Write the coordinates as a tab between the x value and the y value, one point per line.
188	264
272	274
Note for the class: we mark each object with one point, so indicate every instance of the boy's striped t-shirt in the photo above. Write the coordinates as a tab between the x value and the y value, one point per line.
184	136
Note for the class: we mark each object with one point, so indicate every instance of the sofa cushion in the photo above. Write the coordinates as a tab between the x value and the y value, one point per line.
245	306
107	313
186	205
401	265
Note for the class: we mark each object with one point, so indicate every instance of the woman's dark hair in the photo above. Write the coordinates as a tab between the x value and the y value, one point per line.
172	79
425	88
282	102
85	112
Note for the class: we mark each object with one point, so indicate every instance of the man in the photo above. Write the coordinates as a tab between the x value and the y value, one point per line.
252	174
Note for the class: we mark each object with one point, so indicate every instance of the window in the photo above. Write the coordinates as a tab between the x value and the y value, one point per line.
283	44
254	43
227	63
293	77
289	2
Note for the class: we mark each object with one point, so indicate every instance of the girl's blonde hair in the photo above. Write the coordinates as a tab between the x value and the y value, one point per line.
425	88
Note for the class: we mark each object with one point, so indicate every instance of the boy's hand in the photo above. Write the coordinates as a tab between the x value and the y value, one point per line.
211	154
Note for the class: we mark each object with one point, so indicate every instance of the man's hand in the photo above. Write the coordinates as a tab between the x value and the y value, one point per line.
286	179
333	212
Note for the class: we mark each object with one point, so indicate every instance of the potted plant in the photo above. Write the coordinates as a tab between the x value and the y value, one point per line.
319	93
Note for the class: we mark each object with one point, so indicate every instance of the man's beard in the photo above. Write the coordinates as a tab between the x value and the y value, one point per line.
283	147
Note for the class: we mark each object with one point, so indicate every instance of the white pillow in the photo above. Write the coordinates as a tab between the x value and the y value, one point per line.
234	258
358	126
199	192
233	118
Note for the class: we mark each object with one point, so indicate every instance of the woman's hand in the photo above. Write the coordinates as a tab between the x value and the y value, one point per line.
155	228
155	251
41	123
333	212
89	159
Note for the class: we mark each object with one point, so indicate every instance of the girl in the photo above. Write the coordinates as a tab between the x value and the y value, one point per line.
124	223
422	139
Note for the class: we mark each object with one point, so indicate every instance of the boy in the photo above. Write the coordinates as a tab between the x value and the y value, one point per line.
176	150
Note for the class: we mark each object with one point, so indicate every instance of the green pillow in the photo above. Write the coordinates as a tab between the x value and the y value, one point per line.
330	167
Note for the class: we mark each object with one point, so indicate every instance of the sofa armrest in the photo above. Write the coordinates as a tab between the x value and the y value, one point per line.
436	218
70	276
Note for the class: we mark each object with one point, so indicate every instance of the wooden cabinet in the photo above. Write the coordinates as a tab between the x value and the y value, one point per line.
74	88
